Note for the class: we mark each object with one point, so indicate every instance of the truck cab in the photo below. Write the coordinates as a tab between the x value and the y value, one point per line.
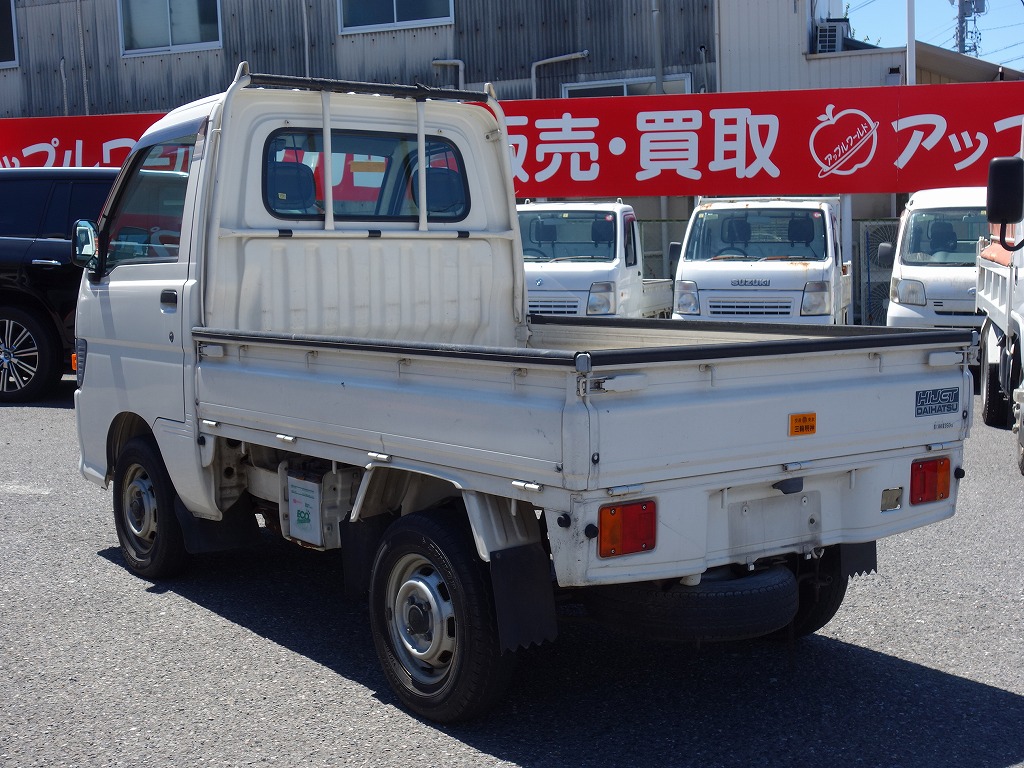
763	260
587	259
934	261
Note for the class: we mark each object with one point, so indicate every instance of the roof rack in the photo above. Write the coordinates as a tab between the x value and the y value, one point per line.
417	92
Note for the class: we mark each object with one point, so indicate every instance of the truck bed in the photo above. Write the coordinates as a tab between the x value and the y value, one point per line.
700	413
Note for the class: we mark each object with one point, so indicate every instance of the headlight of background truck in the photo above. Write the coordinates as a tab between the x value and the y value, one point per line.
817	299
907	292
602	299
687	300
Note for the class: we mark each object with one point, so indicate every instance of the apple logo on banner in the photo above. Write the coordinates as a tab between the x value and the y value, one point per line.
841	143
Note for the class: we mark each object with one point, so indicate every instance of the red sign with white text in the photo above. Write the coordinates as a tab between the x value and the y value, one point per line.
845	140
90	140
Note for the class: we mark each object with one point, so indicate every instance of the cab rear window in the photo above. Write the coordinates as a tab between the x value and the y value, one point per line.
373	176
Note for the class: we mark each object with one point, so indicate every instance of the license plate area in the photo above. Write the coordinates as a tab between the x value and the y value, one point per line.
763	526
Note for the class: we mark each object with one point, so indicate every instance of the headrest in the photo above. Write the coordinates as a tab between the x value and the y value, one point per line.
291	187
943	236
542	232
801	230
735	230
445	191
602	231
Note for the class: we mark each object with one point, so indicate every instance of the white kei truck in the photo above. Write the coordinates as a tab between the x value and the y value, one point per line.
587	258
1001	299
303	314
934	261
763	260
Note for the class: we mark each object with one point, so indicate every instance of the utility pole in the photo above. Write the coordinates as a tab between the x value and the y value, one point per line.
968	10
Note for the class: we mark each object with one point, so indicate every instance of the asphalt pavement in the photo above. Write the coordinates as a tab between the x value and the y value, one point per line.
256	659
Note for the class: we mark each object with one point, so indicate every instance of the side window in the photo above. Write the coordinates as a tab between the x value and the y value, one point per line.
70	201
145	224
8	35
361	16
629	232
373	176
151	26
22	202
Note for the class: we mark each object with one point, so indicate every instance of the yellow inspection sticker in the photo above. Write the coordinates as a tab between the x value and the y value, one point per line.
802	424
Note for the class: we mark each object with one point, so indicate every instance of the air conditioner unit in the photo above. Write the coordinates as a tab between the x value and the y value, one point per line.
829	35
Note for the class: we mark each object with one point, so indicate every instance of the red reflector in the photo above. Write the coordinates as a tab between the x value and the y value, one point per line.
929	480
626	528
74	362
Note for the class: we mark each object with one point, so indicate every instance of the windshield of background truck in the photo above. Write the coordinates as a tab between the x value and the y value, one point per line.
567	235
942	237
747	234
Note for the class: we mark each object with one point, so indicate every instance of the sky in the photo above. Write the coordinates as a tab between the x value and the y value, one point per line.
1000	30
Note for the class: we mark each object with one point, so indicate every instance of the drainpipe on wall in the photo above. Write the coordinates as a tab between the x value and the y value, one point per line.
659	88
81	54
458	64
552	60
305	34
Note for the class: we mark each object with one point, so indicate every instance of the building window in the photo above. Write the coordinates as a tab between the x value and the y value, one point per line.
152	26
639	86
363	16
8	38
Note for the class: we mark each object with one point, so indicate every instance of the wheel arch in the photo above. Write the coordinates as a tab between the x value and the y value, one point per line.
507	534
496	522
123	428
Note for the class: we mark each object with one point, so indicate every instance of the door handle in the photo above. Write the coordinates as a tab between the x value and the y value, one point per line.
168	298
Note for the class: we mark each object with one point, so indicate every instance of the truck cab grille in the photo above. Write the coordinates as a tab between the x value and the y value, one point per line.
750	307
566	306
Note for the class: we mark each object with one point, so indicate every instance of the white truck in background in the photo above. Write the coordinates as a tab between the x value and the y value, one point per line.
763	259
303	314
934	260
1001	299
587	259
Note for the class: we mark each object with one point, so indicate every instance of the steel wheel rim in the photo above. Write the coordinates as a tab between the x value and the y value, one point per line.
19	356
421	619
138	509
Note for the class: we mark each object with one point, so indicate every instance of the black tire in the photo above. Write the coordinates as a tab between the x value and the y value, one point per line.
1020	451
724	606
30	356
822	591
147	525
433	618
995	408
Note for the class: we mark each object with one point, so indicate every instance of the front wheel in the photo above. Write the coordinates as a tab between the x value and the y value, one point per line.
433	619
147	526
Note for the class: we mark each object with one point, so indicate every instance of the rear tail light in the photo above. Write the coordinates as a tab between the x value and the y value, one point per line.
627	528
929	480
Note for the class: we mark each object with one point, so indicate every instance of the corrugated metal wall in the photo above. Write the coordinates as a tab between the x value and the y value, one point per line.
496	41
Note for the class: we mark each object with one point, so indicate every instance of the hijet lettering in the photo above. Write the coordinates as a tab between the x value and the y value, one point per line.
932	402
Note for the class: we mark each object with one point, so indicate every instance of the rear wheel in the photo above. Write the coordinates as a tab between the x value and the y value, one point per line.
147	525
994	406
29	356
821	594
433	619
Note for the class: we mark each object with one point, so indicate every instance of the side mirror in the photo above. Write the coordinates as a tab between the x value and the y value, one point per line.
1005	203
85	245
885	255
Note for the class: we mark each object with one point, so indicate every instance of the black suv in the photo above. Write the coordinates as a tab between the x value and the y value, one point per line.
38	283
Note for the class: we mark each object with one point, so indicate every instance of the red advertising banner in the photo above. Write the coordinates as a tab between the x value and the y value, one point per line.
68	141
810	142
844	140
